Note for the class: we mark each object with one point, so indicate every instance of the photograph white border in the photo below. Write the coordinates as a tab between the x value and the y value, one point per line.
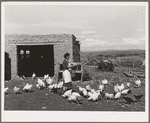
73	116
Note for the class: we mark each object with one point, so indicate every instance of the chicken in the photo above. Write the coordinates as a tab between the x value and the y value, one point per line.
48	81
128	84
76	94
88	87
27	87
89	94
121	87
23	77
41	83
60	84
50	87
33	76
95	96
104	82
6	90
16	90
116	90
81	90
64	88
109	96
84	92
38	86
74	98
138	97
118	95
125	92
101	88
138	83
128	99
93	91
55	85
46	76
67	93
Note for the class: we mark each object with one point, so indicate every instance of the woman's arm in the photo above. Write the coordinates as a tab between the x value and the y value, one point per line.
65	65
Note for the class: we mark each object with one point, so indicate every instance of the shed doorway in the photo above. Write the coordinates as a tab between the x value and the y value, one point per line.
37	59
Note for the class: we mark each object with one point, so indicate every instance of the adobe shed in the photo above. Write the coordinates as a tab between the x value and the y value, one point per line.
41	54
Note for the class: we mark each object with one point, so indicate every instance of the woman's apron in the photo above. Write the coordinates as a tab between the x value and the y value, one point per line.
67	76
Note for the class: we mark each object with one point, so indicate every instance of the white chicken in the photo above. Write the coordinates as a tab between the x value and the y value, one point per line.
80	89
33	76
38	86
6	90
93	91
46	76
128	84
16	90
89	94
50	87
124	92
48	80
84	92
116	90
27	87
107	95
23	77
76	94
55	86
88	87
105	82
138	83
41	83
67	93
95	96
120	87
74	97
118	95
111	96
60	84
101	88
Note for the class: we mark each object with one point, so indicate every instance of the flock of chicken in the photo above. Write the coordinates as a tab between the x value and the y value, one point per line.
95	95
79	93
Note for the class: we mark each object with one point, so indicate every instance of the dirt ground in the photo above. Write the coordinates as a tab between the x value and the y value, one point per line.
45	100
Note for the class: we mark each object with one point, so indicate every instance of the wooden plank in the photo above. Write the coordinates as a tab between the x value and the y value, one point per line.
81	73
133	75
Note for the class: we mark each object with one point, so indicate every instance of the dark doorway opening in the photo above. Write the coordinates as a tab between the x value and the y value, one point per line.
37	59
7	67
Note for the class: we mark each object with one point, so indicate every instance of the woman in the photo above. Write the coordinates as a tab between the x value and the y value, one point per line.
66	73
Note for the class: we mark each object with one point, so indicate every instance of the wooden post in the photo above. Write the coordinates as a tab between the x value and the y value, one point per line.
81	73
57	73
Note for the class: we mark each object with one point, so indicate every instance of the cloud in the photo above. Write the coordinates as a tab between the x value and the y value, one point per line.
42	27
133	41
83	36
97	36
88	32
91	42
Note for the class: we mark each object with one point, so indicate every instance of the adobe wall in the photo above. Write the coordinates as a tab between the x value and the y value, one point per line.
62	43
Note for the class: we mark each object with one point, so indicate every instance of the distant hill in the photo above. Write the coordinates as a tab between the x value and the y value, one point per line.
114	52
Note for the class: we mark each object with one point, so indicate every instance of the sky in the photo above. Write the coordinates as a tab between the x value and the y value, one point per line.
97	27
